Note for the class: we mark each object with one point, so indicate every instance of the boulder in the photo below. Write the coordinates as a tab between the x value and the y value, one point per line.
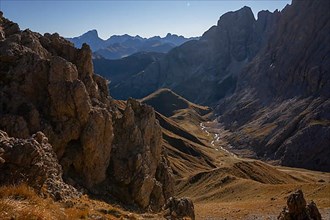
297	210
34	162
179	209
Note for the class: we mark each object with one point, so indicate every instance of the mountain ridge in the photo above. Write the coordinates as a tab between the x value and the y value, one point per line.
62	134
279	117
119	46
257	74
215	60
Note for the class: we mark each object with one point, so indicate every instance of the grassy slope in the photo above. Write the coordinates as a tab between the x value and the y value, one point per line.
22	203
231	187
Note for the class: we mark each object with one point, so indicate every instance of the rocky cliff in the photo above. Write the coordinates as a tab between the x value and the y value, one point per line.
48	85
280	107
206	70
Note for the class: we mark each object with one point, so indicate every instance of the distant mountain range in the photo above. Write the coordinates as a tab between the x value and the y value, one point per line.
119	46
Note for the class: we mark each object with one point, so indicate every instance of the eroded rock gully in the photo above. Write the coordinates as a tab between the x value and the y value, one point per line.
48	87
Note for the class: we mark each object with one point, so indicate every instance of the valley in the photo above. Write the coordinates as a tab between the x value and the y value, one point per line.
228	185
232	125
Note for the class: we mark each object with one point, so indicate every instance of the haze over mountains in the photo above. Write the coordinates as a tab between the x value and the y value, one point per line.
119	46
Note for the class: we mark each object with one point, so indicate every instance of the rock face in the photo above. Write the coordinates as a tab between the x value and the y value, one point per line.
33	161
279	109
297	209
91	38
205	71
179	209
135	172
48	85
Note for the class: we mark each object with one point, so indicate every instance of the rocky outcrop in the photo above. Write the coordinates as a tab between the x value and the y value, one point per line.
34	162
297	209
206	70
179	209
279	109
136	174
48	85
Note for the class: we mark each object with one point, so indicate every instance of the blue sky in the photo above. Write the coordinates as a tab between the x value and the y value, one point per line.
145	18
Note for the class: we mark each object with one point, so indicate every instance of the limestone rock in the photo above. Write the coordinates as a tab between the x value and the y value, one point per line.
33	161
297	210
296	202
48	86
179	209
96	140
278	110
136	156
313	211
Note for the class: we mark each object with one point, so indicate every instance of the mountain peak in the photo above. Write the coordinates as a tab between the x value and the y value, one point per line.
90	37
91	33
242	15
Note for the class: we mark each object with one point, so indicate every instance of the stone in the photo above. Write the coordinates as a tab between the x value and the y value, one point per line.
179	209
297	210
49	91
34	162
296	202
96	140
278	110
313	211
136	156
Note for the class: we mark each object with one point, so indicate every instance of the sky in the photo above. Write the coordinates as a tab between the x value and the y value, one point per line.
71	18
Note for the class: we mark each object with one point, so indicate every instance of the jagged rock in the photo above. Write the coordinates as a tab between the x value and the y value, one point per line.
179	209
296	202
297	210
313	211
282	96
136	156
96	140
33	161
48	85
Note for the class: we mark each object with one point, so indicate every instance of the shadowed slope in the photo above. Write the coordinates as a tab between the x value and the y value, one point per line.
169	103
